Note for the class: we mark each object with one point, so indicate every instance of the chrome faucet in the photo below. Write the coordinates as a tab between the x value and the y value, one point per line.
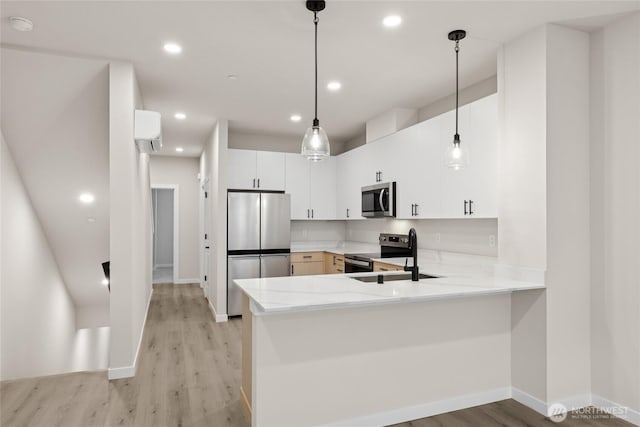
413	245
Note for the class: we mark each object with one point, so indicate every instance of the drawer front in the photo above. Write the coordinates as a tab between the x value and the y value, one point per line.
307	257
381	266
307	268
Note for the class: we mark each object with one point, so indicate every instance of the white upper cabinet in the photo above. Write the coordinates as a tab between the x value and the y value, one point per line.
418	186
312	186
255	170
472	192
351	176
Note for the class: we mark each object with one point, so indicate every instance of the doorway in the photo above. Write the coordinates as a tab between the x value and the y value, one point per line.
165	266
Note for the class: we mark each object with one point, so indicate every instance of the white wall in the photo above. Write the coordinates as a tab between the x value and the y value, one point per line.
163	227
38	315
183	172
269	142
615	203
130	233
522	201
214	171
568	252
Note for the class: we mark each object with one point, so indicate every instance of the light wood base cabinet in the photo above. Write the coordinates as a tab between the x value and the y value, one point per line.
333	263
307	263
383	266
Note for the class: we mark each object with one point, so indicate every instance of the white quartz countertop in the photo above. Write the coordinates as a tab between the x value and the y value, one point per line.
303	293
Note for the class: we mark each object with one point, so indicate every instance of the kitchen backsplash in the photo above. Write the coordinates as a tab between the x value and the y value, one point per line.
469	236
312	231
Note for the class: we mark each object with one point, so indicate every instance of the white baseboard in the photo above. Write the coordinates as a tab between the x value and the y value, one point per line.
219	317
186	281
427	409
530	401
130	371
631	415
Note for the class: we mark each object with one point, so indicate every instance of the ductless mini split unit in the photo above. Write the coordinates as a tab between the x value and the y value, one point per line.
148	131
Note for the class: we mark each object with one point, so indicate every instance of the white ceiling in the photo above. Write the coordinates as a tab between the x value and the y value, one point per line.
55	120
269	46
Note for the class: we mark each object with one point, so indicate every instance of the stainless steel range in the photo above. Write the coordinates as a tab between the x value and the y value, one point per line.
391	246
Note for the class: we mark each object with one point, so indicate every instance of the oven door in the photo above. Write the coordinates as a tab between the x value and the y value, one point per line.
357	266
378	200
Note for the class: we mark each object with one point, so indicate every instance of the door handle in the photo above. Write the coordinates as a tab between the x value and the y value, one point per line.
412	209
416	209
347	212
465	207
292	269
258	182
254	183
470	207
206	247
380	200
311	213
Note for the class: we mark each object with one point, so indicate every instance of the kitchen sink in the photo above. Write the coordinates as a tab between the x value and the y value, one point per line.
392	277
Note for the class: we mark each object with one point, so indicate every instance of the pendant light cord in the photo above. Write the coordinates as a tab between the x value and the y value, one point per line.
457	50
315	22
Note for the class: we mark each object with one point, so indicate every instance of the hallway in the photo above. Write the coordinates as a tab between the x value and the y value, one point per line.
188	375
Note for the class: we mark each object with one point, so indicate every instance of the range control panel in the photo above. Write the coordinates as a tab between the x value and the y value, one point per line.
394	240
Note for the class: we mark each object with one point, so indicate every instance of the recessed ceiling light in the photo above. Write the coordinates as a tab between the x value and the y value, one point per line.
232	77
179	149
333	86
295	118
21	24
86	198
172	48
180	116
105	282
392	21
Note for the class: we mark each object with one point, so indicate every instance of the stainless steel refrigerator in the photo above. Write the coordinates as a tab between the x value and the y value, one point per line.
258	240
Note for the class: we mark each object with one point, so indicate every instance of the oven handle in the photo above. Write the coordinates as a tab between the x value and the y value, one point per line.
356	262
381	202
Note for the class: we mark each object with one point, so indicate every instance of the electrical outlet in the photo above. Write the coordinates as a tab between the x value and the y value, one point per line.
437	237
492	241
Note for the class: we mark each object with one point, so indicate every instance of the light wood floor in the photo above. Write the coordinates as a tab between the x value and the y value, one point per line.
189	376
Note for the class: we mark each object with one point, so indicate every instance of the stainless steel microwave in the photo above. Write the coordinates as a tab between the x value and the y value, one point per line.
379	200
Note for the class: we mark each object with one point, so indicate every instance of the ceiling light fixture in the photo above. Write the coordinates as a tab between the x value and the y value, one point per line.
391	21
334	86
180	116
456	158
172	48
315	144
179	149
21	24
296	118
86	198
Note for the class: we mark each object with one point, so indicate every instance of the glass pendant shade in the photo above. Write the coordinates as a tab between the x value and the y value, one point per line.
456	157
315	144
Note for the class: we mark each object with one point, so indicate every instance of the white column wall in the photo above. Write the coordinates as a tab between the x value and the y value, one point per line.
130	233
615	203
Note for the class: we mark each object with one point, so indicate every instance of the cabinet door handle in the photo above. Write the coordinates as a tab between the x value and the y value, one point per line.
292	269
412	209
307	256
334	260
416	209
384	269
380	176
254	183
347	213
309	215
470	207
465	207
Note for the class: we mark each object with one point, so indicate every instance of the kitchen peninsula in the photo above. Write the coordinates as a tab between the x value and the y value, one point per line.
332	350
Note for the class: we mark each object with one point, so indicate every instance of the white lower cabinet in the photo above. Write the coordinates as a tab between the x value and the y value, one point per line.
312	186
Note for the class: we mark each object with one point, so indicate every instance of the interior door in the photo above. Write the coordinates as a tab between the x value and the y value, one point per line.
244	221
239	267
275	227
274	265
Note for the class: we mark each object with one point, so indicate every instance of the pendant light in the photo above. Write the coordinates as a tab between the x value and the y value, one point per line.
315	144
456	157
